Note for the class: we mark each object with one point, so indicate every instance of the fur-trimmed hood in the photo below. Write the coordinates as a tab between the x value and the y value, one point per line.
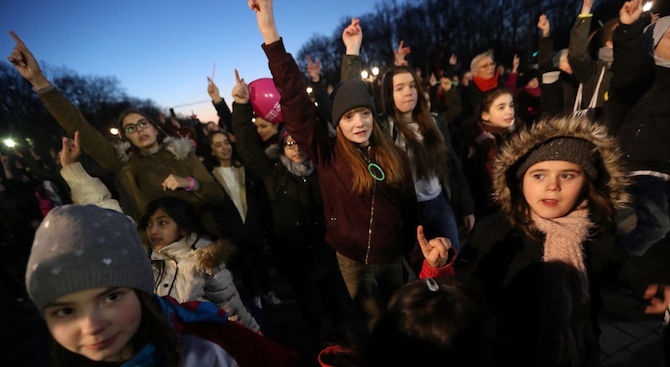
179	147
210	256
610	164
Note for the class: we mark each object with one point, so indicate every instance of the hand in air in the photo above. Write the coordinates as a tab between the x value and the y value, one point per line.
436	251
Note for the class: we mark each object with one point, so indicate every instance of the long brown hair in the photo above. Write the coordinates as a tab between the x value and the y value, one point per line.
430	156
384	153
154	329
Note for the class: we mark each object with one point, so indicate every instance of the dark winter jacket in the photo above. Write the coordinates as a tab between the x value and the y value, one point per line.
510	264
638	112
349	228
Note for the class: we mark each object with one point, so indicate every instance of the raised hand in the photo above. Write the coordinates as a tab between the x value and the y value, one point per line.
70	151
516	61
401	53
352	37
586	6
544	26
313	69
240	90
26	64
453	60
213	91
266	19
630	11
436	251
432	80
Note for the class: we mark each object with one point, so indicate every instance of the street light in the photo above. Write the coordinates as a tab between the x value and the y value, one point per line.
9	143
114	131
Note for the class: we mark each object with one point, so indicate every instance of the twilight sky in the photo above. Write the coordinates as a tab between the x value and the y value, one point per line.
164	50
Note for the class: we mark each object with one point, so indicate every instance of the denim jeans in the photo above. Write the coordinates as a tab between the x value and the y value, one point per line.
438	220
651	201
371	285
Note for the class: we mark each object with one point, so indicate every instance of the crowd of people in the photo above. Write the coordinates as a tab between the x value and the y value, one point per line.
472	216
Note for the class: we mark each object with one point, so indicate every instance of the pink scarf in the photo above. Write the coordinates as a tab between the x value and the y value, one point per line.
564	238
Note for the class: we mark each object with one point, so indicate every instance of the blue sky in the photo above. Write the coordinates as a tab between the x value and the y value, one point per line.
164	50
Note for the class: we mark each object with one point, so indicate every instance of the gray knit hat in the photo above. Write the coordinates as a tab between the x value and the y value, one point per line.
79	247
350	94
568	149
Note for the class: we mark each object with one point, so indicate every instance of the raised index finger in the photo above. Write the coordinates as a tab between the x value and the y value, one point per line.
237	76
17	39
421	238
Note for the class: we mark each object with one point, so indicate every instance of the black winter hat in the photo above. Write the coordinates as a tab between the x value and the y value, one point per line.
575	150
350	94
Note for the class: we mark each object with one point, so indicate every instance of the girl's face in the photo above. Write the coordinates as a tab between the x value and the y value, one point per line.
221	148
552	188
265	128
97	323
405	93
501	112
356	125
140	132
162	230
292	151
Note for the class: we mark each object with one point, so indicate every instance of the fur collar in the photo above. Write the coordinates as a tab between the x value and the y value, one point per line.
211	256
521	143
179	147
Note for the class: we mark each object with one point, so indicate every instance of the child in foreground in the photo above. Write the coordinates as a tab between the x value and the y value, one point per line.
91	280
542	259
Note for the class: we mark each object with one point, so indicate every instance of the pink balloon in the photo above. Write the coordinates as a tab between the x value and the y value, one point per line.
264	100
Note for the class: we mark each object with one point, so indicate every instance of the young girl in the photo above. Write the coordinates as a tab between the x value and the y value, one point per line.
542	258
438	177
496	120
187	265
366	183
243	217
153	165
91	280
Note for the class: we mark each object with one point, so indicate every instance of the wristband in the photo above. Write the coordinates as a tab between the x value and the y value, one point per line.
192	184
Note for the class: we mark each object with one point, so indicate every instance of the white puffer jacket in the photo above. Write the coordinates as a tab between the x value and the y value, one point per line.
193	269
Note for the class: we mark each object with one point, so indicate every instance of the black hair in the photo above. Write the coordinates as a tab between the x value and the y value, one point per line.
427	320
180	211
210	160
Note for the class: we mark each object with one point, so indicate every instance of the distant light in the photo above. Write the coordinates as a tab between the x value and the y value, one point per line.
114	131
375	71
535	53
310	90
364	74
9	142
647	6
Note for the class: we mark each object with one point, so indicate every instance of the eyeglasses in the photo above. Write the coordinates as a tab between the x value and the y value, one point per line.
132	128
291	145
